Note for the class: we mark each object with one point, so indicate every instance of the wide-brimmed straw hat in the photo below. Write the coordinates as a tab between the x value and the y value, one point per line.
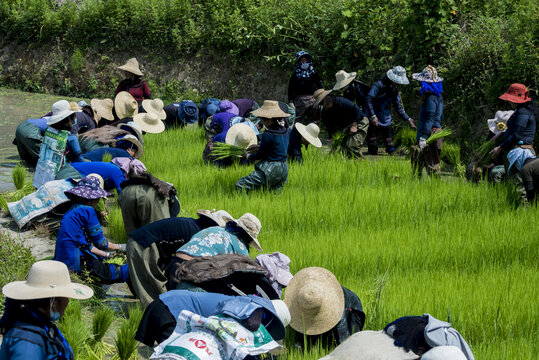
60	110
517	93
87	188
429	74
251	225
133	139
270	109
444	353
125	105
133	128
103	108
320	95
343	78
131	66
220	217
310	133
498	125
47	279
149	122
315	300
241	135
398	75
155	106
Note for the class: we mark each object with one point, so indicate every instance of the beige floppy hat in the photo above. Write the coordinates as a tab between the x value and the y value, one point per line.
47	279
125	105
149	122
251	225
270	109
220	217
155	106
133	139
60	110
241	135
103	108
319	95
310	133
131	66
343	78
315	300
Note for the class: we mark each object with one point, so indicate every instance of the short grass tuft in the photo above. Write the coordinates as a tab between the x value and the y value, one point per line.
19	175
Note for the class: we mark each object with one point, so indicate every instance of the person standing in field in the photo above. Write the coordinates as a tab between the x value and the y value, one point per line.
430	122
271	170
31	309
321	309
133	82
379	99
341	116
304	81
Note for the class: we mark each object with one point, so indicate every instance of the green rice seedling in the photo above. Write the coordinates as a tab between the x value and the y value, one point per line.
439	134
75	330
405	138
107	157
3	203
482	154
223	151
18	174
126	345
116	228
338	139
450	153
103	318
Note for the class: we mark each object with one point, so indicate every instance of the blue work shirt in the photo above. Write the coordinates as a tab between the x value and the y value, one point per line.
79	231
74	152
168	230
294	146
520	128
379	100
111	174
97	154
273	145
221	123
213	241
342	114
41	123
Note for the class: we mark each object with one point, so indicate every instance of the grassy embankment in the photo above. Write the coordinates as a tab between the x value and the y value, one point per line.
460	252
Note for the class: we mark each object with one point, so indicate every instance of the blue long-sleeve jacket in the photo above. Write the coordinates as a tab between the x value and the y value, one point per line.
74	153
273	145
379	100
520	127
79	231
430	115
112	175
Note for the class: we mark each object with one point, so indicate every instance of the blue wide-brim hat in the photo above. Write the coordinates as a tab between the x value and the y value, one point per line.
87	188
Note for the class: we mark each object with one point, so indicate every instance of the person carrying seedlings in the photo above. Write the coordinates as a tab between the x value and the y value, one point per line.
160	318
151	248
271	170
302	135
430	122
31	309
321	309
304	81
352	89
127	146
144	198
133	82
80	243
342	117
379	99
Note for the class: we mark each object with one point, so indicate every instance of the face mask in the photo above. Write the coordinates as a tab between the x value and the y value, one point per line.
53	315
305	65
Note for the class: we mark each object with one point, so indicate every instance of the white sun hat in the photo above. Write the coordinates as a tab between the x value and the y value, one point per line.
343	78
60	110
47	279
251	225
241	135
220	218
282	311
155	106
310	133
444	353
498	125
149	122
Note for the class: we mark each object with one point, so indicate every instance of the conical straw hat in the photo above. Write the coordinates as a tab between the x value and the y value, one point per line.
125	105
46	279
315	300
155	106
270	109
310	133
131	66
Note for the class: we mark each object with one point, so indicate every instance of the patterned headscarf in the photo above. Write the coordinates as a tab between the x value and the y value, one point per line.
129	166
298	70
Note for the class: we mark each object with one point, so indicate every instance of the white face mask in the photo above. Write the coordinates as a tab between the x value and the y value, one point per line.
53	315
305	65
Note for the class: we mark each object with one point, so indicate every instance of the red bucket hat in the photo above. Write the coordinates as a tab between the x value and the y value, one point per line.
517	93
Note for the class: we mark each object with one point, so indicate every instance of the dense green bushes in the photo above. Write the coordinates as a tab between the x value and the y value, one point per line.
479	46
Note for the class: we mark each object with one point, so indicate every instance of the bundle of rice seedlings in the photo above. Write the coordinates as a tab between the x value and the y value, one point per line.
483	152
15	195
126	345
103	318
405	138
107	157
438	135
338	139
451	154
18	174
75	329
223	151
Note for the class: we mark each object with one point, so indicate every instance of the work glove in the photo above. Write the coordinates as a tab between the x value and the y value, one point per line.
122	248
422	143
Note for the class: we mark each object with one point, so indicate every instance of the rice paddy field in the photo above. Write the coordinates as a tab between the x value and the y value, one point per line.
463	253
